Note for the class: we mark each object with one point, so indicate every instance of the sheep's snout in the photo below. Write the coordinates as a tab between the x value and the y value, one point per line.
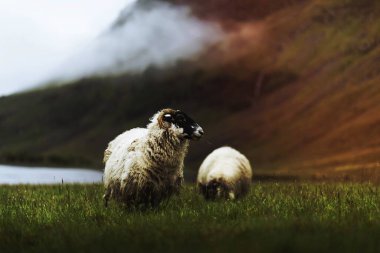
198	133
216	189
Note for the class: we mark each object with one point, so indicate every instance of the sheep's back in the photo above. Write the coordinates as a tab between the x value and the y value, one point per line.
224	162
118	153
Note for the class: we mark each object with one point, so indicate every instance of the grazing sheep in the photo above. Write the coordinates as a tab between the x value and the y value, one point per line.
225	173
144	166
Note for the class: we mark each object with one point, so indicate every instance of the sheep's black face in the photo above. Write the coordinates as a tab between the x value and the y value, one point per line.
215	189
189	129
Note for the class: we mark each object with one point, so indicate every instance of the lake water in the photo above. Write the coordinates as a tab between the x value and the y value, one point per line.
44	175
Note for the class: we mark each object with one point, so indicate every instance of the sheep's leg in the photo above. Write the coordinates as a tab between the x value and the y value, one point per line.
106	196
154	201
178	185
203	190
231	195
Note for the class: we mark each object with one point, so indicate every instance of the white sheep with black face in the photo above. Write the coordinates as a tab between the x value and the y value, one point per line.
225	173
144	166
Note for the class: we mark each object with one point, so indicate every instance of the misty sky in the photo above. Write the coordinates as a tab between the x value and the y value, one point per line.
37	36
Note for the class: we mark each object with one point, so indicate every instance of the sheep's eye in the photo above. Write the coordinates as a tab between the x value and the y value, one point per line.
167	117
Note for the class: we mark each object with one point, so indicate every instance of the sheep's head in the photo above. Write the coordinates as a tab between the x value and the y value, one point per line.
179	122
218	189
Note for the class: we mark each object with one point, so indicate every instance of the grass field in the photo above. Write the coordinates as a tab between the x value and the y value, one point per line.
275	217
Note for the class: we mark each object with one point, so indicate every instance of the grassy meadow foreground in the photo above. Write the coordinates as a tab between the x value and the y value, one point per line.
275	217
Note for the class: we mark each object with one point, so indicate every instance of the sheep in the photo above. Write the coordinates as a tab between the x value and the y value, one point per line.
144	166
224	174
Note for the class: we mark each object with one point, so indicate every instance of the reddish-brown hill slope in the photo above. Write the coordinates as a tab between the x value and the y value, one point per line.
327	121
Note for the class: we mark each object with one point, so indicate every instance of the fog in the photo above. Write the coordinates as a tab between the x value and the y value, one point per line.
44	41
145	34
37	36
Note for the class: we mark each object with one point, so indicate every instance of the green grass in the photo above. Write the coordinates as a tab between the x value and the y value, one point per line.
273	218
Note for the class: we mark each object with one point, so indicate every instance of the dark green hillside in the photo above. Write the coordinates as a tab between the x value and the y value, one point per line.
296	89
71	125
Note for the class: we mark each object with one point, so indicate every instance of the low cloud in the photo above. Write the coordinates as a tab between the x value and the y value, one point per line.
146	33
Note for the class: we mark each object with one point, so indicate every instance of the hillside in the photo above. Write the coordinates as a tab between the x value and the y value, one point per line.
293	85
